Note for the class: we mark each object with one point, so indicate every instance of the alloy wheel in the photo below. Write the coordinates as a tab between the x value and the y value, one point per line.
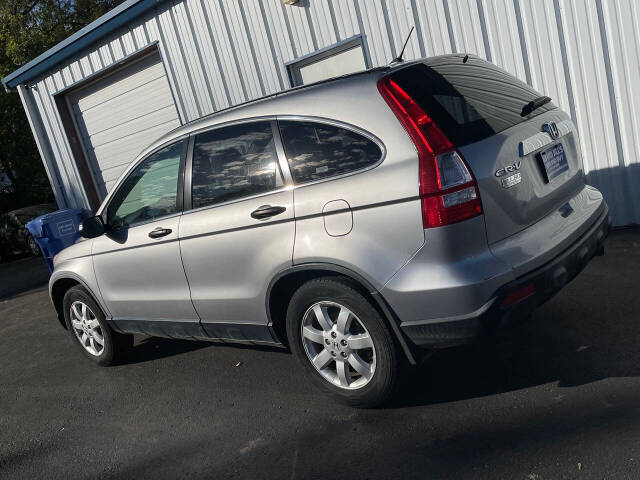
338	345
87	328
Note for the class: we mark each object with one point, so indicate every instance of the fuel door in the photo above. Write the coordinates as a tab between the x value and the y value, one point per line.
338	218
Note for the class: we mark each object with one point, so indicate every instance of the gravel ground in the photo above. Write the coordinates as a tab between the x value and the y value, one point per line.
558	398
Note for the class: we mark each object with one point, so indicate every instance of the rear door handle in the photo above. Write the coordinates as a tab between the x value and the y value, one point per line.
159	232
266	211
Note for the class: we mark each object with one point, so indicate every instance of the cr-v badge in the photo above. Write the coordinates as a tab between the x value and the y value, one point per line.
511	180
508	169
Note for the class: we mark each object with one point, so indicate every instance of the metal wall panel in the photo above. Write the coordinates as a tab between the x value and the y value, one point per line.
621	19
544	50
502	37
432	27
585	54
587	70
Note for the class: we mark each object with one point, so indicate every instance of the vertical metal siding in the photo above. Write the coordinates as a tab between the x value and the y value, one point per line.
375	31
585	54
591	96
37	126
621	20
345	17
432	27
543	46
466	26
501	37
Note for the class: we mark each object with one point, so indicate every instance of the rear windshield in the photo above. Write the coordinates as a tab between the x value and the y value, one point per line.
469	100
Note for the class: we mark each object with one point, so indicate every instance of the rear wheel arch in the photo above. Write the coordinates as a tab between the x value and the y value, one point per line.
284	285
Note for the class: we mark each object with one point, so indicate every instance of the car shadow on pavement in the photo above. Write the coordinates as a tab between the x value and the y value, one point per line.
148	349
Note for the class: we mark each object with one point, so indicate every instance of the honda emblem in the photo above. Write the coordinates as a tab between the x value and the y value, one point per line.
552	129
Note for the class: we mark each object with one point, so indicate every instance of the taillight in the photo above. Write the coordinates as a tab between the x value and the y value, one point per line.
448	190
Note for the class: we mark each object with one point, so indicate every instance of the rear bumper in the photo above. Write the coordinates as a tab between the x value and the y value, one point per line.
516	299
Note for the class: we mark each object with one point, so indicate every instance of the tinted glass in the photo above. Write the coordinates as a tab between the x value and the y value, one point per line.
233	162
468	101
150	191
316	150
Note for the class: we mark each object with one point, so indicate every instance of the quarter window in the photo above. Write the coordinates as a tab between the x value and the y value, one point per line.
233	162
150	191
317	150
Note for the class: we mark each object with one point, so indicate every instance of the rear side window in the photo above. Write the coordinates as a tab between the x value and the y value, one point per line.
233	162
317	150
469	101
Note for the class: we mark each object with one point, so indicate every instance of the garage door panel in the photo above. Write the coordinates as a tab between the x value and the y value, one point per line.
121	114
121	88
139	73
143	122
113	153
109	185
124	152
126	107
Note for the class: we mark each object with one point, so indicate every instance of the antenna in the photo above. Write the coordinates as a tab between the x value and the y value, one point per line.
399	59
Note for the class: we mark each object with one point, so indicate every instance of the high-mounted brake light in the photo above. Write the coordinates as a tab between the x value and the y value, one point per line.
448	190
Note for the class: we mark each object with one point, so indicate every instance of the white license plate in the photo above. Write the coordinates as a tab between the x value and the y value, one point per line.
555	161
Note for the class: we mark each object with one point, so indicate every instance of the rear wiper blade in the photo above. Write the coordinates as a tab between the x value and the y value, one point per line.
534	105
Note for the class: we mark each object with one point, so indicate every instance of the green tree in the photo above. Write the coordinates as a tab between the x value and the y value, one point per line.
28	28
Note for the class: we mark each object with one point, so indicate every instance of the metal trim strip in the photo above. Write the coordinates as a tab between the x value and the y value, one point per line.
542	139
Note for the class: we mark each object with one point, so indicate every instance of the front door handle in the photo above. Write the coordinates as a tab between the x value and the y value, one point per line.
159	232
266	211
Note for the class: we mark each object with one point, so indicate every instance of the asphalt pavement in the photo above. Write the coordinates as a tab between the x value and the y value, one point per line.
557	398
21	275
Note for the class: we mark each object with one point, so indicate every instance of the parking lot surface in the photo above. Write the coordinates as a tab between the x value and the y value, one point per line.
557	398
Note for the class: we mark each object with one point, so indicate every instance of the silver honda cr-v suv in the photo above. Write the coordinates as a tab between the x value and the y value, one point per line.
360	221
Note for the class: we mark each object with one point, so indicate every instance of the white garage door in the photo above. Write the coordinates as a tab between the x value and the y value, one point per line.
121	114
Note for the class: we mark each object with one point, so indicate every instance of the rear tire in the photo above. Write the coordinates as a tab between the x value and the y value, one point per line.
32	246
89	330
346	349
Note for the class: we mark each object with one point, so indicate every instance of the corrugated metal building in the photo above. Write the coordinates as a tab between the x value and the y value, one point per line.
95	100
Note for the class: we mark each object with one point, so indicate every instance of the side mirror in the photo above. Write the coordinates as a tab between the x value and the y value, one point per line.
92	227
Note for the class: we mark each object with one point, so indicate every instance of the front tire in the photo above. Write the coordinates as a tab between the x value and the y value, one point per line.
87	325
342	342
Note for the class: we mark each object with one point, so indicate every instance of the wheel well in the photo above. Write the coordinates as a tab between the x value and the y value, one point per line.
57	296
285	287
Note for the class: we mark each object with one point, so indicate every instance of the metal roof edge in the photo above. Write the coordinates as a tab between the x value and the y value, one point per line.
80	40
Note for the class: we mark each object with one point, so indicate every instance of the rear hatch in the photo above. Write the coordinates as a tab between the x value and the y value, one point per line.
522	150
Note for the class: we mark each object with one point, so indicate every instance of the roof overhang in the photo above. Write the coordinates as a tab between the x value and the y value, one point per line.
109	22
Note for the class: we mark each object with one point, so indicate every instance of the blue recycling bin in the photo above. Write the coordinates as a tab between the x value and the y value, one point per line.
53	232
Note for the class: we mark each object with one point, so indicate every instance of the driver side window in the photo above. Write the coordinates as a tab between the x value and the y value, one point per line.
150	191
